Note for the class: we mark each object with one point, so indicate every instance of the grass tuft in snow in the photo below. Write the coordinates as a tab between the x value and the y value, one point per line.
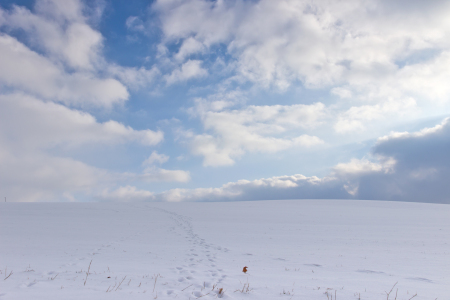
245	288
6	272
87	273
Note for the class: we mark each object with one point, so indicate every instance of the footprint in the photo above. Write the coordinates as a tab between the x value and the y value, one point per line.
169	292
198	294
420	279
369	272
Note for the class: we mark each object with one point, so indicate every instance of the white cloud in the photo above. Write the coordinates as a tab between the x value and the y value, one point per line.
342	92
412	167
189	70
26	70
211	22
152	173
360	166
404	94
155	158
357	118
134	78
38	124
296	186
375	55
427	80
126	193
189	46
407	167
70	10
59	30
157	174
263	129
31	129
383	61
34	176
58	59
135	23
350	173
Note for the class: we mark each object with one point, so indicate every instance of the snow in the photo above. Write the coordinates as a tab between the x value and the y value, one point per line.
297	249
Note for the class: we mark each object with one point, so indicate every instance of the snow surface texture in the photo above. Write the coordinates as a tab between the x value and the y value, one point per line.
298	249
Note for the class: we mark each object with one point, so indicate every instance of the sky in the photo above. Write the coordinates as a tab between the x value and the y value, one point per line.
201	100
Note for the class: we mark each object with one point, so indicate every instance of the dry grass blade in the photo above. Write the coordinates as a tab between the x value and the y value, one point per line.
87	273
413	296
10	273
245	289
387	298
187	287
156	278
120	283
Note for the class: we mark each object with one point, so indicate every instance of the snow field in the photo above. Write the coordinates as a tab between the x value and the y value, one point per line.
298	249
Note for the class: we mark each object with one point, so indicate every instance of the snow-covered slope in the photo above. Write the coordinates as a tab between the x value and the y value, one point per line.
299	249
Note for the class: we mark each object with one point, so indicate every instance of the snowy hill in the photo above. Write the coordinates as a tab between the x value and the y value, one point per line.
298	249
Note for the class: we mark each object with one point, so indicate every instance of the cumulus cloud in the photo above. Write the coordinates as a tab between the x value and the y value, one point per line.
380	61
357	118
189	46
41	125
422	166
30	129
157	174
35	176
60	30
189	70
26	70
406	167
153	173
278	42
60	57
283	187
49	74
410	167
126	193
132	193
134	78
155	157
135	23
265	129
374	55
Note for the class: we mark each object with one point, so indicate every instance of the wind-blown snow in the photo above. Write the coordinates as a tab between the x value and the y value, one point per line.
298	249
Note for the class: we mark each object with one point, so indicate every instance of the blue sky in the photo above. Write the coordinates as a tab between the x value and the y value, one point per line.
193	100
